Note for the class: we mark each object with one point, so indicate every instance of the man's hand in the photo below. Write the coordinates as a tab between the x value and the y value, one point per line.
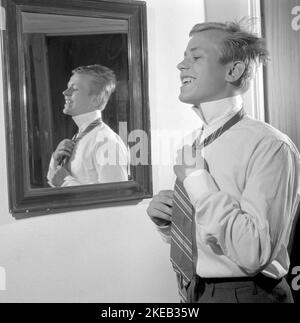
188	161
64	149
160	208
59	176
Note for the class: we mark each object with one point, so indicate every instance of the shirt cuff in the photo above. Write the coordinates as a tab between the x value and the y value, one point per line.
69	181
199	183
165	232
53	162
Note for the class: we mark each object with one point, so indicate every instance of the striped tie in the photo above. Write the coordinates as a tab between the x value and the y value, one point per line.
183	239
78	136
182	245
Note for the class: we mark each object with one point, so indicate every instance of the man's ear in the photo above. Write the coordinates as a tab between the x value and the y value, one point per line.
235	71
99	100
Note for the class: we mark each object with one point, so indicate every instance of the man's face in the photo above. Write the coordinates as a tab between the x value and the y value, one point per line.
78	99
202	76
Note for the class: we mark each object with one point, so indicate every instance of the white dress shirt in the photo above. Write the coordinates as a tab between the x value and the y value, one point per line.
99	157
245	205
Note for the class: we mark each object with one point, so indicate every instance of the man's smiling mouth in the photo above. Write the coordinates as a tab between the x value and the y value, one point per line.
187	80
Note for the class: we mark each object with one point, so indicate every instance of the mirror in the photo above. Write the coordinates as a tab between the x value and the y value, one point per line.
44	42
55	45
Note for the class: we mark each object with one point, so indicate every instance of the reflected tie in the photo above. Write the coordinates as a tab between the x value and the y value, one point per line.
79	135
183	238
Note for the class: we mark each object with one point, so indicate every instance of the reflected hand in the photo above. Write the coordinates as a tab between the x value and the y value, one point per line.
59	176
188	161
64	149
160	208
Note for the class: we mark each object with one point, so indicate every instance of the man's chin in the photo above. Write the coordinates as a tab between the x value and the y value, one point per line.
67	111
185	99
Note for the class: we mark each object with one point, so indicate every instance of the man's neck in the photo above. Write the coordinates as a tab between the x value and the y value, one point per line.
83	120
213	111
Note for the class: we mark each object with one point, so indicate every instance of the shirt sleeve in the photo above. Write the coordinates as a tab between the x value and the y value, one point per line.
249	231
111	160
51	170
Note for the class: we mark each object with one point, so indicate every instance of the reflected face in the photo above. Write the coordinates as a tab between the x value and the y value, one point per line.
202	75
78	97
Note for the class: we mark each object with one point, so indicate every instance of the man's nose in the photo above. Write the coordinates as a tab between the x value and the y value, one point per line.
183	64
66	92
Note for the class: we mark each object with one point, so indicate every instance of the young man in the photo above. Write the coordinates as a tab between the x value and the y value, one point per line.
96	154
230	215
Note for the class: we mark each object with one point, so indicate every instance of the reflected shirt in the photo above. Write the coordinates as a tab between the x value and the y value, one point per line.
99	157
246	203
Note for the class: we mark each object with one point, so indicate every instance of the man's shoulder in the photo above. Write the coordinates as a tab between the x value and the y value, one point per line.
258	131
105	133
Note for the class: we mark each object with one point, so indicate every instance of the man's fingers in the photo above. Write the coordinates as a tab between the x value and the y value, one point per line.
62	154
162	202
186	156
156	213
169	193
65	150
66	146
163	208
156	204
66	143
165	197
161	211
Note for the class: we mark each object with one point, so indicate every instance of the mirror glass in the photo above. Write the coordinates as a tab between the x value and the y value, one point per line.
54	45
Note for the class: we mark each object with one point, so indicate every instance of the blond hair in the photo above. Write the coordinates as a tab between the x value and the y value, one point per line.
239	45
104	79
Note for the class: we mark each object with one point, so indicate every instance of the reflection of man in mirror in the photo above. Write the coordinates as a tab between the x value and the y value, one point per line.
96	154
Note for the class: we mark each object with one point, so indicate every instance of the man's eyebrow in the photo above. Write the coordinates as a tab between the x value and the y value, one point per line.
193	49
71	84
197	48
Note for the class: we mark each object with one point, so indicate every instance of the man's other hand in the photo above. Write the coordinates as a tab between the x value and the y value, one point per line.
188	161
59	176
64	149
160	208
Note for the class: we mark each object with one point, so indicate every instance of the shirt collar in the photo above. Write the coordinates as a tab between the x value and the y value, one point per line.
83	120
215	111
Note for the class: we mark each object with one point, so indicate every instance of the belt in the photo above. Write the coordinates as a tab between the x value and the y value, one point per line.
261	280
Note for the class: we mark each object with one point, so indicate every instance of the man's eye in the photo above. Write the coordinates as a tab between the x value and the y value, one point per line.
197	57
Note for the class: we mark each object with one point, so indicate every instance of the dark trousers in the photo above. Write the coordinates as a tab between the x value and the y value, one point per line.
258	289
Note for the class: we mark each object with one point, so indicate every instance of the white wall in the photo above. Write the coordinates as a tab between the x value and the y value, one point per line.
112	254
225	10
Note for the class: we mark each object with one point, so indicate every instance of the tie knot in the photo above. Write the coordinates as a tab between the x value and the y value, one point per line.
81	133
197	142
78	136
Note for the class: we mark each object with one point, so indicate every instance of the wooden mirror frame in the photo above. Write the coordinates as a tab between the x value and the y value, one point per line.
25	201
